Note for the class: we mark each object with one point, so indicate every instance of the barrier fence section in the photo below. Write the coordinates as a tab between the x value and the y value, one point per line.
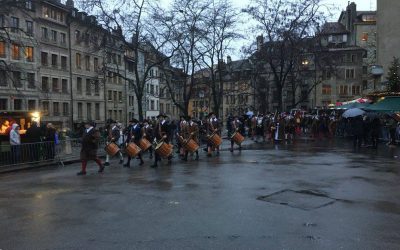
42	152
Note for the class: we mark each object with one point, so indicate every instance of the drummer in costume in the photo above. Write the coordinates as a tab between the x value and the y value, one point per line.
212	127
182	131
135	136
161	134
90	144
114	134
191	133
235	128
147	133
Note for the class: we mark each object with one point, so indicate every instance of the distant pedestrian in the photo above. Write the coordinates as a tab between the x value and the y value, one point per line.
50	139
90	144
33	134
15	142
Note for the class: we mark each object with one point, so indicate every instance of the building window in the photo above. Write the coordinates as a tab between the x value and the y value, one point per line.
29	54
353	58
62	38
45	84
29	5
45	107
87	63
78	61
350	74
56	109
326	89
120	96
29	28
54	35
152	105
96	88
365	70
15	52
356	90
31	80
65	108
17	104
44	59
45	11
3	104
77	36
343	90
55	86
45	33
95	64
97	111
365	84
1	20
63	62
2	49
80	110
14	24
31	105
88	86
115	96
119	60
89	111
54	60
64	86
79	85
17	79
110	95
364	36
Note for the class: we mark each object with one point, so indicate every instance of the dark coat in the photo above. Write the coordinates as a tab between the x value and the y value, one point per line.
50	134
136	133
33	134
90	144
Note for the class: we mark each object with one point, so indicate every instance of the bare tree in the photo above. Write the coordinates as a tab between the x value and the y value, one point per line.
129	20
222	25
186	22
286	26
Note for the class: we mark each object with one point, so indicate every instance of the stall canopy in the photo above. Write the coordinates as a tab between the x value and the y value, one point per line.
386	104
354	105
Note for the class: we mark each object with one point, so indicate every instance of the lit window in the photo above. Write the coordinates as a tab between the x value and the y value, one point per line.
29	54
364	36
15	52
2	49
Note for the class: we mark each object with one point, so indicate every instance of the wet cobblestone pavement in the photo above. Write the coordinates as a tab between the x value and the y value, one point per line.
309	195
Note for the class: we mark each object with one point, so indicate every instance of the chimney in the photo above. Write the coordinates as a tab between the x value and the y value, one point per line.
260	42
228	59
70	4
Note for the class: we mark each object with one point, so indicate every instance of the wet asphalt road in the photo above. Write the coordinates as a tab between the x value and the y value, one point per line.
311	195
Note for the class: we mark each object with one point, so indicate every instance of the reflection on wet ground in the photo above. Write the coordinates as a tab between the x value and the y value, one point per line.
306	195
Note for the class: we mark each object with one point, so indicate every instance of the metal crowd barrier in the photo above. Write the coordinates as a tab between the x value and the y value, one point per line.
42	152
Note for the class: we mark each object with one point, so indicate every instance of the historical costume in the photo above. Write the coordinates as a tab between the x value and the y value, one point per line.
161	134
235	128
135	136
113	136
212	126
90	144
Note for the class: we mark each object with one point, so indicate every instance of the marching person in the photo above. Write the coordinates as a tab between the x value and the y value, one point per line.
212	127
161	134
182	130
147	133
135	136
90	144
191	132
113	136
235	128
